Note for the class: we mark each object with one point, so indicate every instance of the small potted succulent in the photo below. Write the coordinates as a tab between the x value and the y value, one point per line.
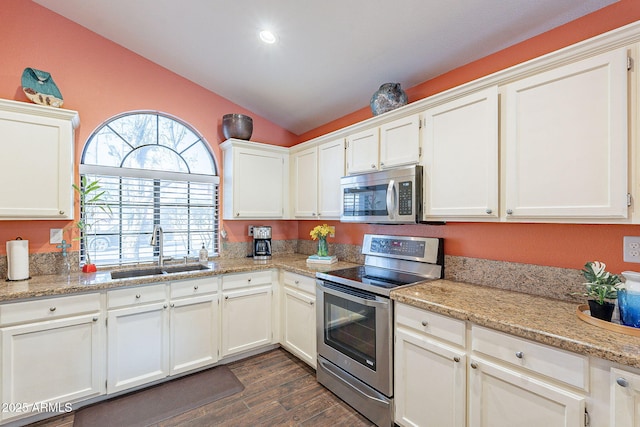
601	286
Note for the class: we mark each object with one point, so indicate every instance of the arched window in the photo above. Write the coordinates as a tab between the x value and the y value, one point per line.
155	170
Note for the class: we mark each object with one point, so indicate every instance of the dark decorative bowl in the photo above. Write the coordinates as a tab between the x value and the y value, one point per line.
237	126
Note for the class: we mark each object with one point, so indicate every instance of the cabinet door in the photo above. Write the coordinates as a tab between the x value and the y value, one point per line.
138	346
258	184
500	397
430	382
330	170
461	157
54	361
362	151
37	159
400	142
625	399
299	321
566	141
194	333
246	319
305	182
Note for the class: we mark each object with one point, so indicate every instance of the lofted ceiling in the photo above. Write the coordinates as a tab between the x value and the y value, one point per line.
330	56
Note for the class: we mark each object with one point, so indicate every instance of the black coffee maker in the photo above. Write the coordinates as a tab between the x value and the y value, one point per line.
262	242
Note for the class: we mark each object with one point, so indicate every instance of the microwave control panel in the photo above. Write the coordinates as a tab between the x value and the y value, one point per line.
405	198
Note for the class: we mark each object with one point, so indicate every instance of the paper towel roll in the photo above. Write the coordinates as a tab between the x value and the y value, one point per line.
17	259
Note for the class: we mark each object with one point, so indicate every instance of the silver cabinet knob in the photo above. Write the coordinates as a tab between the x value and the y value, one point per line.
165	306
622	382
296	281
373	166
311	303
61	212
474	365
52	309
237	213
456	359
195	288
95	319
519	354
509	211
226	297
172	305
489	211
138	296
381	163
249	280
424	323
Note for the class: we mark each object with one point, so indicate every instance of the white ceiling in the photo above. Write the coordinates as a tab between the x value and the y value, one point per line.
331	56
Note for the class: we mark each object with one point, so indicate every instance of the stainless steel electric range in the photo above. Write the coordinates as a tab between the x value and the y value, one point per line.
355	319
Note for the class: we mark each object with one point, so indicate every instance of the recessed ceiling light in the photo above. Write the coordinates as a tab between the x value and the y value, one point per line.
268	37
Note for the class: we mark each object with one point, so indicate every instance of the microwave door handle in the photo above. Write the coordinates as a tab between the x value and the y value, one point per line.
391	198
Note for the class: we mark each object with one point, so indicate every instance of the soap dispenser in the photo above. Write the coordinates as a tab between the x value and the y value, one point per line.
204	255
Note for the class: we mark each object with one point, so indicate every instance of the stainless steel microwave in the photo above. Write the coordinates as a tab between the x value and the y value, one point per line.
392	196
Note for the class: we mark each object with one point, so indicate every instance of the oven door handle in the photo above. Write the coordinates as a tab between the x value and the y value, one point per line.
363	301
329	368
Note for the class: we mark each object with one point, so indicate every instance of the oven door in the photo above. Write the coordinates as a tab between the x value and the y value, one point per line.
354	332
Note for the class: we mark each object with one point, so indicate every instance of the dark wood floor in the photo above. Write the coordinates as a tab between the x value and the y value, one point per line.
279	390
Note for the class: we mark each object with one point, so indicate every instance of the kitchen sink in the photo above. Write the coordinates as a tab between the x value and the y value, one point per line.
185	268
153	271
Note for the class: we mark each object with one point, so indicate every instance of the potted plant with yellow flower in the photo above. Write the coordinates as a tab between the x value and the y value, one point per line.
320	233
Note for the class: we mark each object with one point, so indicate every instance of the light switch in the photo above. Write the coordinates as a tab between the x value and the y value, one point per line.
55	236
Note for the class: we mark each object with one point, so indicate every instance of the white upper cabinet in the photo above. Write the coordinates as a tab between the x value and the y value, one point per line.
330	170
36	165
400	142
304	180
461	157
566	141
256	183
386	146
315	180
363	151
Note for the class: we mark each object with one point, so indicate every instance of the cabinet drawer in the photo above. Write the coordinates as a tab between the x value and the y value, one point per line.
136	295
564	366
189	288
242	280
443	327
37	310
298	281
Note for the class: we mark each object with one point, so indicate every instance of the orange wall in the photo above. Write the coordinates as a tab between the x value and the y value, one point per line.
99	79
568	246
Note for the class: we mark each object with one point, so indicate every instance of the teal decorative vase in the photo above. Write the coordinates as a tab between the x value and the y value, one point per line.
323	246
629	300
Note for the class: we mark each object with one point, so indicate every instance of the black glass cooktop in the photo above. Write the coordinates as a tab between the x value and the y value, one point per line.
381	278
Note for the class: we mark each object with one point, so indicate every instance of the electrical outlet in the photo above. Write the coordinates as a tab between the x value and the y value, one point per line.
55	236
250	230
631	249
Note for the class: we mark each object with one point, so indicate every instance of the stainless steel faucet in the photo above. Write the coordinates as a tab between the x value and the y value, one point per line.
157	238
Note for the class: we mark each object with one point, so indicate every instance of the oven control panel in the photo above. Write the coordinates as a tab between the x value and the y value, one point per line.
414	248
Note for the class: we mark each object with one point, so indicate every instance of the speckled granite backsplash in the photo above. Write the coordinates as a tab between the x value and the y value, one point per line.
552	282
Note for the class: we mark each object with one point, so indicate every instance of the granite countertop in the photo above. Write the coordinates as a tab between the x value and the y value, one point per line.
537	318
544	320
53	285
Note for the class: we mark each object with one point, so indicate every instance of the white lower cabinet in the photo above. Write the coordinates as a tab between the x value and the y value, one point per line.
430	369
52	354
299	317
625	398
137	336
246	311
499	381
193	324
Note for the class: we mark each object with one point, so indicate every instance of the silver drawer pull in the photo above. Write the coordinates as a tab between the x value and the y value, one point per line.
519	354
425	323
622	382
52	309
